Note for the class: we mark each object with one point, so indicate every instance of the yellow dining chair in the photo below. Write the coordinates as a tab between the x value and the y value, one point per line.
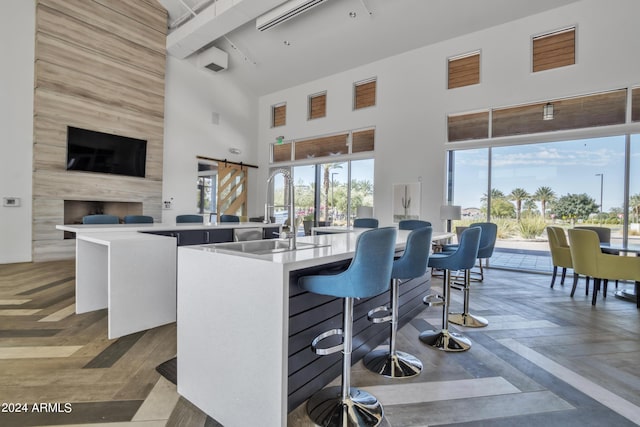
589	260
560	253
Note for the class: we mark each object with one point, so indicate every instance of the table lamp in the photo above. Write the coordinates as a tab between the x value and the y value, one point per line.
450	213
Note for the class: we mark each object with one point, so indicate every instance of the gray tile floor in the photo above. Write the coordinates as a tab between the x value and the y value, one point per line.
522	260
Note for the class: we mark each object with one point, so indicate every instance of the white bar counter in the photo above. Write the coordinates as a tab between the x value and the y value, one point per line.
233	326
132	272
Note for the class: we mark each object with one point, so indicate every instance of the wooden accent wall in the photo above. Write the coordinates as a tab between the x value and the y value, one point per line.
99	65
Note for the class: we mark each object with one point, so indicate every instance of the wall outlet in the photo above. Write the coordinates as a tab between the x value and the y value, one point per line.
167	204
11	201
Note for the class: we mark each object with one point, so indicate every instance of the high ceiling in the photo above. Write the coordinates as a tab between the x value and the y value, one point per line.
327	39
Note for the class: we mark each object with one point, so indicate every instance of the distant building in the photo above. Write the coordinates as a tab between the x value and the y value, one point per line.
470	213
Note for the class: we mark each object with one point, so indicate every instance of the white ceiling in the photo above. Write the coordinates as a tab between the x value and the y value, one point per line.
326	40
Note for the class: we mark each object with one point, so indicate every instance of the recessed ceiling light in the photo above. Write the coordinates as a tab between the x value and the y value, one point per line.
287	43
352	15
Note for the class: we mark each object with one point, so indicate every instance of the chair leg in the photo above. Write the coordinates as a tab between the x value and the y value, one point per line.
344	405
465	318
390	362
596	286
637	286
604	288
553	277
481	270
564	274
443	339
586	288
575	283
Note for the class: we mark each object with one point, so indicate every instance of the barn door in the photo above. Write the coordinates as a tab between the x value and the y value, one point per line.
232	189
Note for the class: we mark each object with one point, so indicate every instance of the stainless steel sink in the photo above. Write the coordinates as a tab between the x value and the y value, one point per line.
263	247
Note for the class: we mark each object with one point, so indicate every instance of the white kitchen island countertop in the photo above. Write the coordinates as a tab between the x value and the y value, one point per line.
233	325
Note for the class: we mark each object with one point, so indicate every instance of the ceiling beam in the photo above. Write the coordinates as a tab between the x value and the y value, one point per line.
220	18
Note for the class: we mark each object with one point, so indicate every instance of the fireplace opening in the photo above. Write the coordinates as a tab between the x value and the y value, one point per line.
74	210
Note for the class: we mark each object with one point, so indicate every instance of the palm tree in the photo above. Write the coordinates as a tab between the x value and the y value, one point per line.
495	194
328	167
518	195
544	195
634	205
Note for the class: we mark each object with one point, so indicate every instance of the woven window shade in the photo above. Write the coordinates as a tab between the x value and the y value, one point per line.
282	152
279	115
463	127
601	109
635	104
321	147
317	106
553	50
363	141
464	70
364	94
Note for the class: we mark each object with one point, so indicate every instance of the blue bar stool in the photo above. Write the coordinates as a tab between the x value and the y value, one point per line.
462	259
412	224
229	218
369	274
390	362
365	223
138	219
100	219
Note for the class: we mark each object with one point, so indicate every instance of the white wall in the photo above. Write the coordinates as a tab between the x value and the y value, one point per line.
192	95
413	102
17	29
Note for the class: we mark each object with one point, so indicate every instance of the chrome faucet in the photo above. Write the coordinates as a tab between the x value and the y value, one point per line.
292	221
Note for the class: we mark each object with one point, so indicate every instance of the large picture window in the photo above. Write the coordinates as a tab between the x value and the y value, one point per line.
525	188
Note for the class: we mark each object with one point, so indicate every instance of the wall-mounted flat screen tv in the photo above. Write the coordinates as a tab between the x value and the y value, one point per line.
93	151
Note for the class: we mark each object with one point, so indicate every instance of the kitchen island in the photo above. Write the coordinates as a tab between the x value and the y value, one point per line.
244	326
130	269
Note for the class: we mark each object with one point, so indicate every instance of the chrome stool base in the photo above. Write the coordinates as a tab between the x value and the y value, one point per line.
326	408
398	365
445	340
468	320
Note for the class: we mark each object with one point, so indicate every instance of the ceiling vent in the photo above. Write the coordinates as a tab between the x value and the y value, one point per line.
284	12
214	59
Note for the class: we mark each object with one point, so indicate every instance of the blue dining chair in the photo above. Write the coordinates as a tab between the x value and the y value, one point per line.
183	219
100	219
390	362
463	258
229	218
138	219
368	274
365	223
412	224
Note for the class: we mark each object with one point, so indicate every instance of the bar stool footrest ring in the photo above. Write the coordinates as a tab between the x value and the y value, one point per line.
328	350
378	310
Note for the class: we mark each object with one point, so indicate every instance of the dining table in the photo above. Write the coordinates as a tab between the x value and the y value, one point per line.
627	293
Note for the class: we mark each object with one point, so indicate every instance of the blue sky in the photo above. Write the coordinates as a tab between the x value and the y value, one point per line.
566	167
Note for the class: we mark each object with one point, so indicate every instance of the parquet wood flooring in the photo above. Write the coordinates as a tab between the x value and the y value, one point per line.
545	359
